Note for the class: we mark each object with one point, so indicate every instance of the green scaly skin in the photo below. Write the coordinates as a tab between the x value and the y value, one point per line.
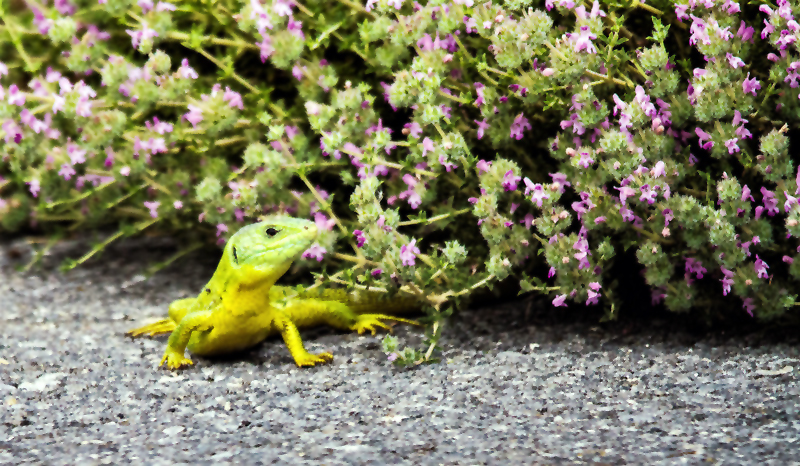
241	305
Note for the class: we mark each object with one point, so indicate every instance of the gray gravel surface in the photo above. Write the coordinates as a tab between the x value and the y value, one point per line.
518	386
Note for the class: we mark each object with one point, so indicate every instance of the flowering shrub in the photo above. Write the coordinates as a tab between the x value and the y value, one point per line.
440	146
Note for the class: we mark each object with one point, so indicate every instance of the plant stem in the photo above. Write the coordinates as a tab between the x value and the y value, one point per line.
433	219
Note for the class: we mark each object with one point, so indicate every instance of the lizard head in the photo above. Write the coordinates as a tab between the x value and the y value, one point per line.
268	248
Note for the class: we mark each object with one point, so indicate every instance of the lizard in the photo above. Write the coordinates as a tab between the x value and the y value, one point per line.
240	306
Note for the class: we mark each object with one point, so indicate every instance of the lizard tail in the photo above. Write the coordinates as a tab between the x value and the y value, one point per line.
156	328
366	302
361	302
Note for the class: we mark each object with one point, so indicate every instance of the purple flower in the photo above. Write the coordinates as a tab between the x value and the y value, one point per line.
659	170
750	85
699	31
83	107
160	127
510	181
694	266
735	62
580	12
761	268
748	305
392	356
413	198
559	301
560	180
34	187
770	201
15	96
194	116
178	205
360	239
648	194
482	127
731	7
593	296
33	123
680	12
479	89
413	128
66	171
76	155
427	146
582	246
408	253
186	71
746	194
727	281
146	5
137	37
323	222
644	102
376	272
153	206
624	193
668	216
768	27
583	40
585	160
233	98
539	193
732	146
266	47
483	167
519	126
315	252
58	103
551	273
745	32
297	72
599	220
790	201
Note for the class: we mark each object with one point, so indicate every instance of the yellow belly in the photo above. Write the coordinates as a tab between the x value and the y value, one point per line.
229	334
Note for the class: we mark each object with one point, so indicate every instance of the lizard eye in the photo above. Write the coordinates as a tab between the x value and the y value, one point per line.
271	232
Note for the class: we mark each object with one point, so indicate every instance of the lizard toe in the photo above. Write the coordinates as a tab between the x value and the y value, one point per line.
175	361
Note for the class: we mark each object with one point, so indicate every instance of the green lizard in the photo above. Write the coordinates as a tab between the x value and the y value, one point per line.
241	305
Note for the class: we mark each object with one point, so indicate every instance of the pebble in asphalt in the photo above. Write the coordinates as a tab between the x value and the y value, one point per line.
511	390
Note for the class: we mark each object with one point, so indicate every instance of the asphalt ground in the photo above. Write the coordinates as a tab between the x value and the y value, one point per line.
519	383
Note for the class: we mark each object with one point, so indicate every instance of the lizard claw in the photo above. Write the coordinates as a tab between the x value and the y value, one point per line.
368	322
309	360
175	360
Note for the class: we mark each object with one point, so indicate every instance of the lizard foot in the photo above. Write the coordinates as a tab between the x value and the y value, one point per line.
162	326
175	360
309	360
368	322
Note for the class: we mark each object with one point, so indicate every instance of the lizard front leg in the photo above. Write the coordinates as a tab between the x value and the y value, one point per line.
291	336
176	345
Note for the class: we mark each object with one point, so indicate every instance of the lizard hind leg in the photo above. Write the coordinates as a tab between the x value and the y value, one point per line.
177	310
156	328
369	322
